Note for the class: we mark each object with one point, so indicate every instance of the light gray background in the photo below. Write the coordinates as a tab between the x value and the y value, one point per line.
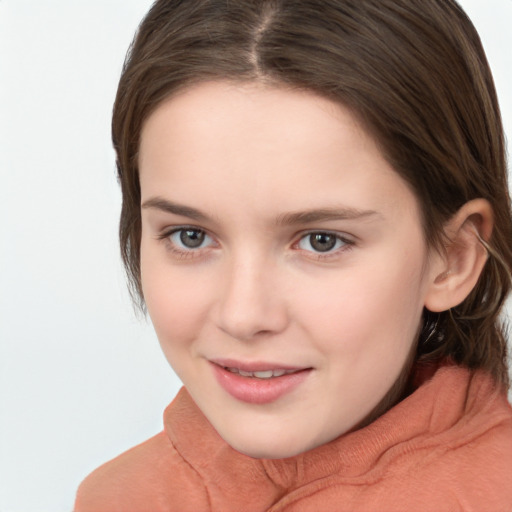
81	379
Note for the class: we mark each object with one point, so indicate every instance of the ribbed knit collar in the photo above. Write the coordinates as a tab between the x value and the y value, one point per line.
441	410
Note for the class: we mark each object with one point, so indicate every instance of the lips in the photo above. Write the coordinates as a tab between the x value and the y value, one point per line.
258	383
262	374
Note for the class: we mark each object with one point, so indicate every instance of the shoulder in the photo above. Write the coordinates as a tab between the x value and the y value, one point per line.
468	465
477	467
151	476
465	461
469	474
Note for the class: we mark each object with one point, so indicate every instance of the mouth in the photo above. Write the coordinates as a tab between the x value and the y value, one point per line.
262	374
258	383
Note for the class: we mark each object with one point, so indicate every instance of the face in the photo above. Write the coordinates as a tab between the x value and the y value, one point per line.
283	262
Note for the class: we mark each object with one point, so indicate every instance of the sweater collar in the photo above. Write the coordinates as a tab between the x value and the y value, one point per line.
434	409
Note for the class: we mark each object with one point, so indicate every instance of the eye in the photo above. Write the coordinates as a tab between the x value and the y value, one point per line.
322	242
188	239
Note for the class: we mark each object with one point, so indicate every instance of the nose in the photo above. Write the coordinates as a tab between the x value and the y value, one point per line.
251	301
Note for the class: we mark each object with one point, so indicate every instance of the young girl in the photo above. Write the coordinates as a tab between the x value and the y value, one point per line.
316	217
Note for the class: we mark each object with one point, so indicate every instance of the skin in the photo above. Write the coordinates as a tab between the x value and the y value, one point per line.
244	160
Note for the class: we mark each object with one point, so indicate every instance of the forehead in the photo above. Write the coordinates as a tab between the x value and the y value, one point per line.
256	144
267	116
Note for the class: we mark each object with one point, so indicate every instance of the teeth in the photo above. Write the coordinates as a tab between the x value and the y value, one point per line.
265	374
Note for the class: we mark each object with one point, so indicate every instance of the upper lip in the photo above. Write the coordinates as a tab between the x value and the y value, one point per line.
255	366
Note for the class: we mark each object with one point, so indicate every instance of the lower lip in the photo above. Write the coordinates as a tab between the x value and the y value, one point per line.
258	391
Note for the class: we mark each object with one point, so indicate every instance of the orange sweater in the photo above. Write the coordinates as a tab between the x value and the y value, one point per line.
447	447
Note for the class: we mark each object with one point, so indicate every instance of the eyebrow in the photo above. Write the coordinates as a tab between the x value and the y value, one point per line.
175	208
285	219
324	214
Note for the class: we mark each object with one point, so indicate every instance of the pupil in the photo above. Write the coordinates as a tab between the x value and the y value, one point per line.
191	238
322	242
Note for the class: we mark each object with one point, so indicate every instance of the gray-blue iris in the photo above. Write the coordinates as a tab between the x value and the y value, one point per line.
322	242
192	238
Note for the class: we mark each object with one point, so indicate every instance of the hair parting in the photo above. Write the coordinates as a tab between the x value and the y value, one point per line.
390	62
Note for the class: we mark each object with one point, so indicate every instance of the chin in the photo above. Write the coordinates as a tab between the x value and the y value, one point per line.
262	448
267	452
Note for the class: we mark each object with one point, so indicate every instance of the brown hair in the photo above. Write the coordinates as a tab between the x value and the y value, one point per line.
415	73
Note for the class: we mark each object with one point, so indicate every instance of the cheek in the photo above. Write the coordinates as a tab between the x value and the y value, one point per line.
373	307
176	302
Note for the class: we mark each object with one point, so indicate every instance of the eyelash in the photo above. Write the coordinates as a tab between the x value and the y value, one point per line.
190	253
346	245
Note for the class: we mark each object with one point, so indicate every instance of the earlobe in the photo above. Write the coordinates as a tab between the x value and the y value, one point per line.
455	271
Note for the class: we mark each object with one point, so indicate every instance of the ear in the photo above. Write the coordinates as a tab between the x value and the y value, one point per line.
455	270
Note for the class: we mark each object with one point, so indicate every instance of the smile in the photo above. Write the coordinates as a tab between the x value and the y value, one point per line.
258	383
265	374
